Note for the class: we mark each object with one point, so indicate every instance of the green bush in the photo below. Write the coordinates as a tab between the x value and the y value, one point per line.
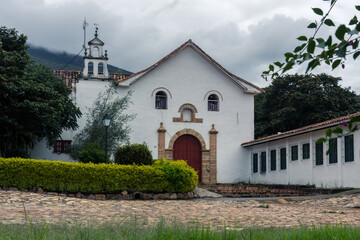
128	154
92	153
163	176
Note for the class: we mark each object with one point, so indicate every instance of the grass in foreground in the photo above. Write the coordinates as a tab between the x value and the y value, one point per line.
136	230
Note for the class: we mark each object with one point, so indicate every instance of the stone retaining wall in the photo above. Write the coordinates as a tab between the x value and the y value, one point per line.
266	190
125	195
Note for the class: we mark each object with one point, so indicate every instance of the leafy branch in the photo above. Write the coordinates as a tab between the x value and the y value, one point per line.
352	126
333	51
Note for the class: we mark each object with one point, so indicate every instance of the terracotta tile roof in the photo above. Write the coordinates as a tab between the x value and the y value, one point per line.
309	128
196	47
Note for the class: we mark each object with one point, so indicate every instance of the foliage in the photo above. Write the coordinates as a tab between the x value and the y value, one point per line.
135	227
92	153
333	50
294	101
96	178
352	125
106	103
34	104
138	154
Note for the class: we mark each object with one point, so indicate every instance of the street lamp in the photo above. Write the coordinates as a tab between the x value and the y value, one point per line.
106	124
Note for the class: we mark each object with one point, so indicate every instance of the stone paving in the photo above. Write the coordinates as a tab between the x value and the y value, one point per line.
19	207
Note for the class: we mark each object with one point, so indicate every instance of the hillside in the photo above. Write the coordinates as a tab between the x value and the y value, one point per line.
56	60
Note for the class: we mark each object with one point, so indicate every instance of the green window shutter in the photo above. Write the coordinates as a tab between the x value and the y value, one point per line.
319	158
283	158
273	160
294	153
263	162
333	152
306	150
255	163
349	148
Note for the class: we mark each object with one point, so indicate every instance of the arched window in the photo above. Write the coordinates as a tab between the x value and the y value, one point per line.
91	68
101	69
213	103
161	100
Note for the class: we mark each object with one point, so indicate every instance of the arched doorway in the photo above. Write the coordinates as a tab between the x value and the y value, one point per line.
188	147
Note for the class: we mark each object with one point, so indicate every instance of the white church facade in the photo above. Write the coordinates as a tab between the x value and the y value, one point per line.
189	107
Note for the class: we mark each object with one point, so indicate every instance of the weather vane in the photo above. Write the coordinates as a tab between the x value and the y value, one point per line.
96	29
85	24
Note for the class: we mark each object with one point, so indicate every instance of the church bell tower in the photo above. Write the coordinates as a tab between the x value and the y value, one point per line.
95	62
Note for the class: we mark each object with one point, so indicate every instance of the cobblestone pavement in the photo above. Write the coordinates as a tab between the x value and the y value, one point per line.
17	206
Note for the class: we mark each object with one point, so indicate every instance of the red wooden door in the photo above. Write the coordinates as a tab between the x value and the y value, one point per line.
187	147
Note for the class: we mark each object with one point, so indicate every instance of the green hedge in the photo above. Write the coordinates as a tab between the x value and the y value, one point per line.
162	176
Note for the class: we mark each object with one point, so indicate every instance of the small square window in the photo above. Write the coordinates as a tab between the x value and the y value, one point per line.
62	146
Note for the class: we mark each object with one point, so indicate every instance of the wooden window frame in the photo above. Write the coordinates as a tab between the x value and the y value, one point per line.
255	162
319	158
213	103
273	160
161	100
62	146
263	162
333	154
283	158
349	149
293	156
308	151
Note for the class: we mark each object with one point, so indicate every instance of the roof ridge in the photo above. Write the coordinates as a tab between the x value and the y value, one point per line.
158	62
190	42
308	127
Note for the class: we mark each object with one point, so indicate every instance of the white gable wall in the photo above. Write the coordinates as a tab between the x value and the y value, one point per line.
188	77
305	171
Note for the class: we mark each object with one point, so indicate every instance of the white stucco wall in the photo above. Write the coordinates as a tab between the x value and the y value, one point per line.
83	95
305	171
188	78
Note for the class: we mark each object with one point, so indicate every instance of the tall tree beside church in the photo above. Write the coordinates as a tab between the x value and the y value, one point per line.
34	104
294	101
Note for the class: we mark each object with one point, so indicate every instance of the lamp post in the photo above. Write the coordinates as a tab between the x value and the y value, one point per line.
106	124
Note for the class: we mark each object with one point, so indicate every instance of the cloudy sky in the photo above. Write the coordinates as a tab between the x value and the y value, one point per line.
244	36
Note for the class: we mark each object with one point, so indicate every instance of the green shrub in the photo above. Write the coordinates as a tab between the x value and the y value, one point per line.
163	176
128	154
92	153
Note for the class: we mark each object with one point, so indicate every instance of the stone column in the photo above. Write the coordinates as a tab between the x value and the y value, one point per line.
161	141
212	158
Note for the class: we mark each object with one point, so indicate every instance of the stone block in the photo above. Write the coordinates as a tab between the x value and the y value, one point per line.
147	196
173	196
100	196
91	196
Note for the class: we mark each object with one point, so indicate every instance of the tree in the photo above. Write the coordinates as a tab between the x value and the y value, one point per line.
34	104
94	131
294	101
333	50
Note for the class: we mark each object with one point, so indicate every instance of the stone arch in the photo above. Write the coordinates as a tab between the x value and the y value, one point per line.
187	106
189	132
193	110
